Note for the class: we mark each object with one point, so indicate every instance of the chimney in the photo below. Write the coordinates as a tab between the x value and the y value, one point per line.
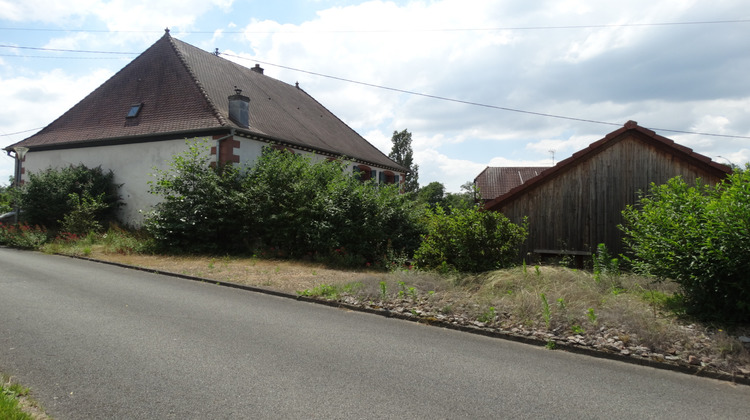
239	108
257	69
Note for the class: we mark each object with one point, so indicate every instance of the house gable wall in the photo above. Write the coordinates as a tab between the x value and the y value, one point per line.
132	165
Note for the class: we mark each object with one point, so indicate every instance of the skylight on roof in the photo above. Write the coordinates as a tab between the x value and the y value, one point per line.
134	110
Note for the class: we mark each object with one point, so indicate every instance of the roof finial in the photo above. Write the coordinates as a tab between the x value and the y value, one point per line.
216	53
166	29
237	91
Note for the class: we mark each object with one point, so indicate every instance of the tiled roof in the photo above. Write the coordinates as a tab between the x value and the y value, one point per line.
185	89
496	181
678	151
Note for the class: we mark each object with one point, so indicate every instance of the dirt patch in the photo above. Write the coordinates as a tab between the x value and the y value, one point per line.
281	275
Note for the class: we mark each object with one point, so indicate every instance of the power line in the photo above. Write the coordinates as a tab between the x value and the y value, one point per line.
500	28
442	98
59	57
21	132
65	50
501	108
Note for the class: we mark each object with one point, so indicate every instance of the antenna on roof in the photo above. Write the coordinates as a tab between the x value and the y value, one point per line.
552	152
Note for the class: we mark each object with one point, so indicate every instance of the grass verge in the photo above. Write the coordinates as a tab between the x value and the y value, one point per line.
15	403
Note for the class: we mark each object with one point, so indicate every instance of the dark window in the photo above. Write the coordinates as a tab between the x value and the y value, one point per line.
134	110
363	172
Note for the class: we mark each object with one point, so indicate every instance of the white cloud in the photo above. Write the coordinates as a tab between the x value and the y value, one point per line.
681	77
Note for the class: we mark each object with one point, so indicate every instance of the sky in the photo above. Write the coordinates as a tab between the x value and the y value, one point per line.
477	83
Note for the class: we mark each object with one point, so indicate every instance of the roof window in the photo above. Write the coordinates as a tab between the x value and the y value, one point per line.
135	110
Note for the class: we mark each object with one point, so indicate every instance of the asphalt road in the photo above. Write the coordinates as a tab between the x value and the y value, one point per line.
95	341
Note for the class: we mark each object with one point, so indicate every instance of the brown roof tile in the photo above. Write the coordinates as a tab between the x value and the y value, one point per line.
184	89
496	181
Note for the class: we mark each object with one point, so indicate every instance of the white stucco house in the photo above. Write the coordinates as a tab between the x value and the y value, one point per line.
173	92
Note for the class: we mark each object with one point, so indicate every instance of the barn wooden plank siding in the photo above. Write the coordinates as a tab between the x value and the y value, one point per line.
578	203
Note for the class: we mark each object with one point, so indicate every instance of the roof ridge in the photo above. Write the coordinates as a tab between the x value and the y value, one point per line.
596	147
201	88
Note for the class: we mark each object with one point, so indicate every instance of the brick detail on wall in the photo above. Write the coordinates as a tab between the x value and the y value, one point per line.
226	153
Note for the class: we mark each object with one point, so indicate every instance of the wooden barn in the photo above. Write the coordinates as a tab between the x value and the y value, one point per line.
577	204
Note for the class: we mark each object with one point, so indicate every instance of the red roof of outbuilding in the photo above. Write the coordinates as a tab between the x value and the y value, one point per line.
496	181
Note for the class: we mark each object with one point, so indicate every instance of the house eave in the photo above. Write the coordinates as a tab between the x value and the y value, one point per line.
203	132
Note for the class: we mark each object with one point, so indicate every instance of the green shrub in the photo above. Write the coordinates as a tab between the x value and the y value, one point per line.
699	237
200	207
22	235
6	200
81	218
305	208
286	204
469	240
46	198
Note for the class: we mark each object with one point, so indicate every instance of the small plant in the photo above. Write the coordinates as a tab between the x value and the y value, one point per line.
383	290
402	289
577	329
591	315
413	293
323	290
561	304
538	270
488	316
545	311
550	345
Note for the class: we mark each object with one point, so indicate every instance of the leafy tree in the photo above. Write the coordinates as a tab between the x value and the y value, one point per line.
45	198
402	153
462	200
699	237
469	240
431	194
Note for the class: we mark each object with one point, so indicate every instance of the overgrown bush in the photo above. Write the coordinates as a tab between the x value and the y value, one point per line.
284	203
22	235
469	240
201	205
303	208
46	197
698	236
5	199
82	217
